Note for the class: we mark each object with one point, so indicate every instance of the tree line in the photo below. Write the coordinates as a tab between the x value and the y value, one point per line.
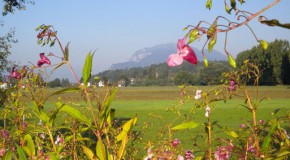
273	62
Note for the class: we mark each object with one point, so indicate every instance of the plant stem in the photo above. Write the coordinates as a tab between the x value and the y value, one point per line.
209	137
51	138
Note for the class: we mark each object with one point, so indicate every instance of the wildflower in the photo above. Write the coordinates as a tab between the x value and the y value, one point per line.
2	152
261	121
180	157
232	86
188	155
197	94
14	74
43	60
251	148
175	142
184	52
150	154
207	111
223	152
242	126
5	134
59	140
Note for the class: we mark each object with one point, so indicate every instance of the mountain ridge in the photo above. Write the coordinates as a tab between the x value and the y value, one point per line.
158	54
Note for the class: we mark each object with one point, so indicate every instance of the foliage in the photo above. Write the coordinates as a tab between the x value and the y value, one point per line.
32	131
5	45
274	62
10	6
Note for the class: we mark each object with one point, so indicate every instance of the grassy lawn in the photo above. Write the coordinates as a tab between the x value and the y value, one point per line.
160	107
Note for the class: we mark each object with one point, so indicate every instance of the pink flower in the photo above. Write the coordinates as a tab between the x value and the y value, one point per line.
43	60
242	126
14	74
184	52
223	153
232	86
189	155
175	142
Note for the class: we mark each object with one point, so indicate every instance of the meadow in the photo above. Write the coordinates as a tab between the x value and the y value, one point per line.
161	108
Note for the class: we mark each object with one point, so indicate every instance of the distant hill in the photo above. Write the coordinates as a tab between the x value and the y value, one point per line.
159	54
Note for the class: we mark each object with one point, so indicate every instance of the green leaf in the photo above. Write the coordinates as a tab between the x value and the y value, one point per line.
274	22
87	68
36	29
212	42
268	138
232	133
264	44
208	4
62	63
62	91
66	53
111	117
74	113
88	152
30	144
126	128
52	43
21	153
232	61
205	62
8	155
102	151
193	36
122	147
187	125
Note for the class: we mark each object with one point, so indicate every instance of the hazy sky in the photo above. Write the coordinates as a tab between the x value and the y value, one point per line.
116	29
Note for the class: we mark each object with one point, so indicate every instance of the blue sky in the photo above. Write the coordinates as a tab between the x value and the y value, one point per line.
116	29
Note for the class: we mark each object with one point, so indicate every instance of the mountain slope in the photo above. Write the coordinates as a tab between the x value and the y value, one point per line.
159	54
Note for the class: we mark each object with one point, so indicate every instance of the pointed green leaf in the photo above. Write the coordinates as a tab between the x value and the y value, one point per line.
102	151
232	61
193	36
111	117
36	29
8	155
66	53
232	133
264	44
62	63
30	144
21	153
122	147
205	62
267	140
208	4
87	68
62	91
187	125
212	42
274	22
126	128
88	152
74	113
52	43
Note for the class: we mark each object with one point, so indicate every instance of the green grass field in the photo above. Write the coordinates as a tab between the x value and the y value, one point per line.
159	107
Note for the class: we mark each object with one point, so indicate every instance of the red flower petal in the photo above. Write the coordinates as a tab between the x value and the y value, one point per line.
188	54
174	60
